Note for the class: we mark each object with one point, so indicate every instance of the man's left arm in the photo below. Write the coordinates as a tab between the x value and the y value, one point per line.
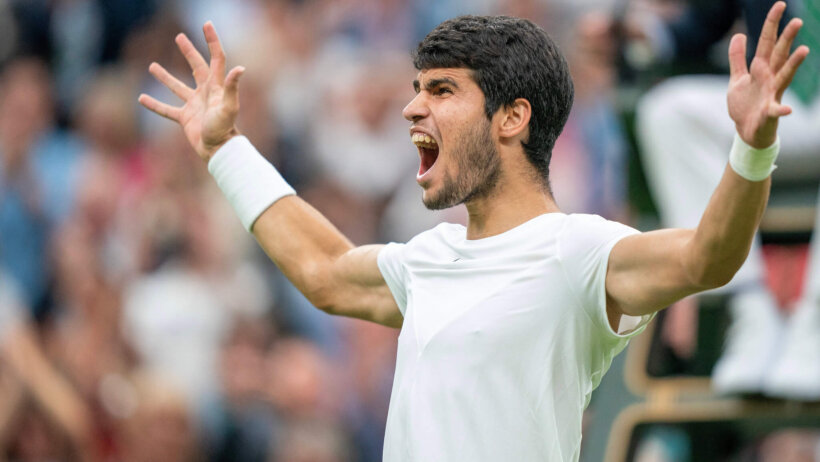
649	271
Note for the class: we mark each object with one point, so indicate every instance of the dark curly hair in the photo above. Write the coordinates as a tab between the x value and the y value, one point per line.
509	58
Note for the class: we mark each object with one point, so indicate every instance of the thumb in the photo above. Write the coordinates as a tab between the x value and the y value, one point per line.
231	95
778	110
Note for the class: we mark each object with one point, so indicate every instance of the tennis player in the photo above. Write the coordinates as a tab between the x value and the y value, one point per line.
507	325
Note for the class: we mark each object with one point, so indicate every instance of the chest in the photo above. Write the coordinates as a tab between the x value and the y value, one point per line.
482	309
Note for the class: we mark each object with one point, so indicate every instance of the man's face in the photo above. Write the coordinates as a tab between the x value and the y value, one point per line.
459	160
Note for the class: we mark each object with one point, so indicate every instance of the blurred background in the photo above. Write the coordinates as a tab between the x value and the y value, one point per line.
140	322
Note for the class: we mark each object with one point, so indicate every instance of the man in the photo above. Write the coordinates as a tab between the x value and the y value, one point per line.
509	324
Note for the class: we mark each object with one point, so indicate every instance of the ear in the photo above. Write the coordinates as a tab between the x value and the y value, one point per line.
515	119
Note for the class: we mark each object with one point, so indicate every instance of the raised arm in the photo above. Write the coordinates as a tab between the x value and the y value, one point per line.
649	271
313	254
21	354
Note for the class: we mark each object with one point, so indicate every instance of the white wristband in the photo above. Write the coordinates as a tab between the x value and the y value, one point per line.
753	164
249	182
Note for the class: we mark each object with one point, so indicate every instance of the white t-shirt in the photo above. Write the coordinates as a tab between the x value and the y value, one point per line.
504	339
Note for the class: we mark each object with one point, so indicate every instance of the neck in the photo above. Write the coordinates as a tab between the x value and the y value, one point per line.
511	203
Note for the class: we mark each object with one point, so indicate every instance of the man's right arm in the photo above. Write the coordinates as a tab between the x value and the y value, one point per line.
313	254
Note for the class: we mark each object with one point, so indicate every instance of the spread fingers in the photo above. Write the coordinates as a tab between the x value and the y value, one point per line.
195	60
183	91
217	54
786	73
768	35
784	44
165	110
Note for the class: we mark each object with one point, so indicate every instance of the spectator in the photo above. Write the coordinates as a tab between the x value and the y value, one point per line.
38	175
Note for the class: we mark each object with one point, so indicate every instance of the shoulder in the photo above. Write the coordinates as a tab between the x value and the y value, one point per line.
583	233
440	234
594	226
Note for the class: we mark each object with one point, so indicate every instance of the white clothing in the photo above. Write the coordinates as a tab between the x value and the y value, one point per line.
504	339
176	322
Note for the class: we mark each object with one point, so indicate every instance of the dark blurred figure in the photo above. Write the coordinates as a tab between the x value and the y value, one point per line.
305	389
38	175
251	425
73	36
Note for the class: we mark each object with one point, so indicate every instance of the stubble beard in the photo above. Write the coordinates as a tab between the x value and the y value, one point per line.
478	170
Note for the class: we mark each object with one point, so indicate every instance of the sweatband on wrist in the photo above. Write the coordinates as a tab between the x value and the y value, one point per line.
753	164
249	182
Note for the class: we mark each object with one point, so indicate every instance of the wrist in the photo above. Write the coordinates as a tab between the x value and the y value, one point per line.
249	182
210	148
752	163
761	138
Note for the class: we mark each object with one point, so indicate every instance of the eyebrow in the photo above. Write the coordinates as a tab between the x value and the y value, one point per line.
433	83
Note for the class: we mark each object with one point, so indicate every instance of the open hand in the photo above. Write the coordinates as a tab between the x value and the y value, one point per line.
209	113
755	93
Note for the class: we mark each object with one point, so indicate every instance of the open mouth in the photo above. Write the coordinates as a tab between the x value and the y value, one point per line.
428	150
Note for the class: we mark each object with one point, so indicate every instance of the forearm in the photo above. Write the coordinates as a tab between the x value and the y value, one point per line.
11	389
725	233
55	395
649	271
303	244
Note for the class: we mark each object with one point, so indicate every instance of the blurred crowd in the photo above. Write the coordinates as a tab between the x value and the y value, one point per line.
138	320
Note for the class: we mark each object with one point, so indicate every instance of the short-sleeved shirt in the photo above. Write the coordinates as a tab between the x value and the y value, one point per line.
504	339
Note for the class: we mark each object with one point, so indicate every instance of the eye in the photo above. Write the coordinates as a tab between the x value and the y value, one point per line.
442	90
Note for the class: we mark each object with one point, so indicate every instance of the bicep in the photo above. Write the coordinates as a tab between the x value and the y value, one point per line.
359	289
647	272
335	276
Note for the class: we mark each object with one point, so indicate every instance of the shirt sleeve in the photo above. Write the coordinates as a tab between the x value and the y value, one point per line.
584	246
391	265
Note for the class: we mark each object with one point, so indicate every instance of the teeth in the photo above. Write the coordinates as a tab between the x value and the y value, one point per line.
423	140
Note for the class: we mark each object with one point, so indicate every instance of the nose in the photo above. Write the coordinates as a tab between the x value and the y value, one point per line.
416	109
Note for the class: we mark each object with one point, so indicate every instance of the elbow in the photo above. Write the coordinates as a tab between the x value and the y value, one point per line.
714	265
717	280
319	291
713	276
323	301
321	297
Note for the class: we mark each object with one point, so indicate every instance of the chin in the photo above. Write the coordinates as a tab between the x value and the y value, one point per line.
429	200
439	201
434	205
